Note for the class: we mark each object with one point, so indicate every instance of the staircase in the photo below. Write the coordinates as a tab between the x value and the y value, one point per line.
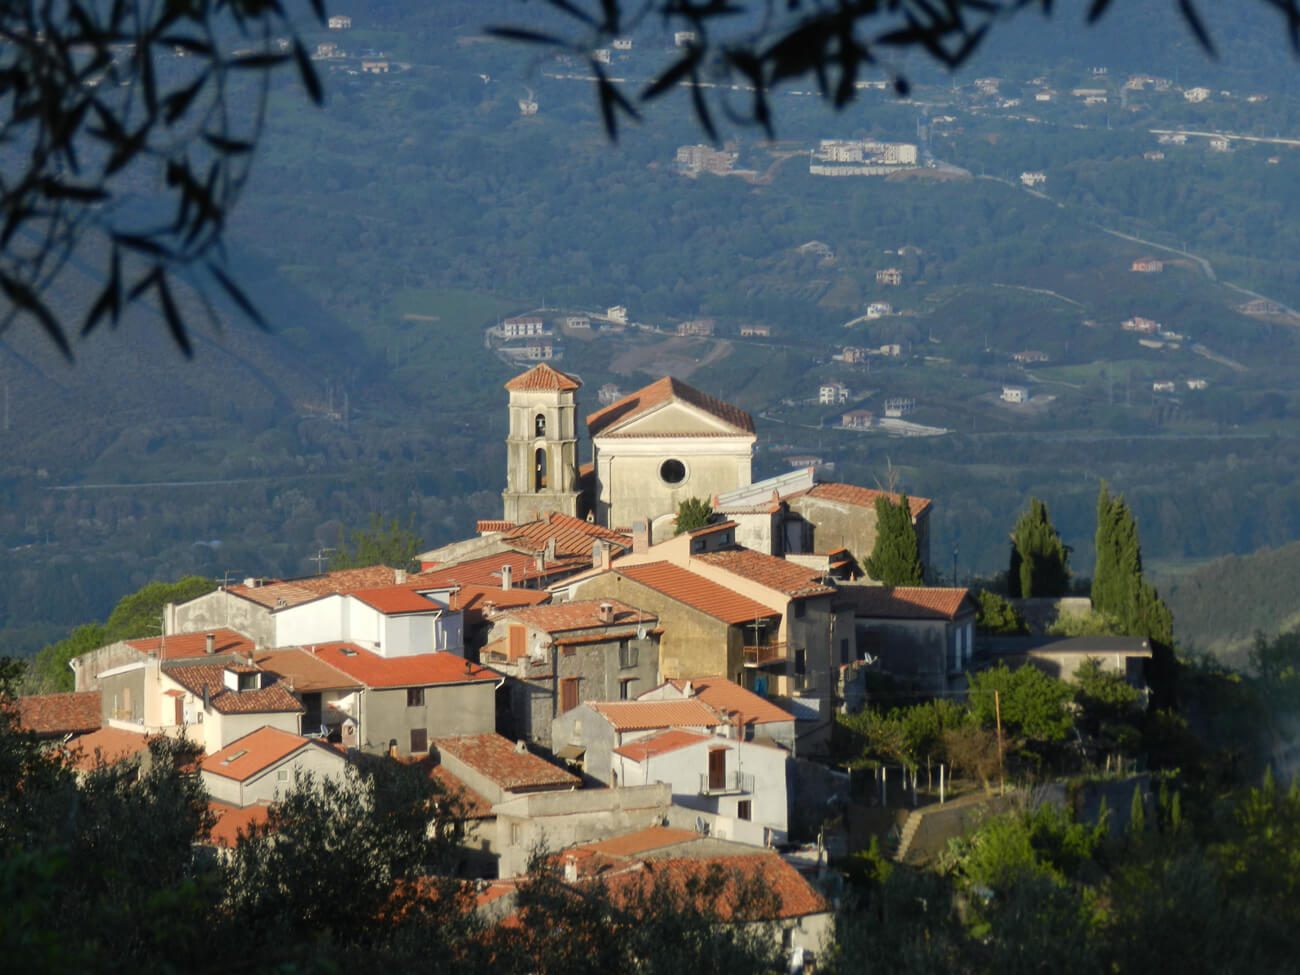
910	827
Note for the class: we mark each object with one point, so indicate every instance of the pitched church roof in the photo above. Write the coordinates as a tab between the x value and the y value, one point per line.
543	378
659	393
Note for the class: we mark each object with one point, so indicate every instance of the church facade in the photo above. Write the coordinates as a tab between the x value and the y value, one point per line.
651	450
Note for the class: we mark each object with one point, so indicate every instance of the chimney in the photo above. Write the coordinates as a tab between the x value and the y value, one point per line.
392	747
550	549
489	608
689	689
399	577
540	561
570	869
507	580
600	554
521	747
607	613
640	536
210	643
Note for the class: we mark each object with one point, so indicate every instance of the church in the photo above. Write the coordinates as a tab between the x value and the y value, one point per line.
651	450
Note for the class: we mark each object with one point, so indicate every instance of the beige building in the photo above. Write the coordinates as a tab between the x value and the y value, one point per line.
263	765
662	445
542	446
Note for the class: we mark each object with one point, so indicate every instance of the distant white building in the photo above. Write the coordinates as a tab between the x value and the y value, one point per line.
1196	94
1015	394
523	326
879	309
622	44
899	406
617	314
832	394
1197	384
1220	143
1163	386
1033	178
891	276
340	22
683	38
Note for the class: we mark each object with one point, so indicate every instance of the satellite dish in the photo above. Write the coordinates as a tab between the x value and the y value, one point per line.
640	632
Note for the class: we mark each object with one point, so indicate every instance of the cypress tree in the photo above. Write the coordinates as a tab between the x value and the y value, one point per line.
1040	561
1118	589
895	560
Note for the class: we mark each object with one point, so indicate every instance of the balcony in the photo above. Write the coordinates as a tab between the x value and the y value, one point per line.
765	655
733	783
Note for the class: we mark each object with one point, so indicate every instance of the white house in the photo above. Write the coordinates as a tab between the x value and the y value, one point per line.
617	314
879	309
832	393
394	621
1196	94
1015	394
262	765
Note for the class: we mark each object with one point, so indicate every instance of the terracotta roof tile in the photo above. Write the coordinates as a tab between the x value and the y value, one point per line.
573	536
472	804
543	377
647	715
294	591
860	497
181	646
486	570
255	752
658	393
484	525
106	746
905	602
499	760
303	670
396	600
418	670
637	842
474	599
697	592
196	678
661	744
61	714
796	581
233	823
584	614
795	897
727	697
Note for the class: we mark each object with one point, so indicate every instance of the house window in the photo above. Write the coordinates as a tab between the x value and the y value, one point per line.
801	662
844	650
568	694
717	769
415	697
745	809
419	740
282	775
628	655
625	688
798	610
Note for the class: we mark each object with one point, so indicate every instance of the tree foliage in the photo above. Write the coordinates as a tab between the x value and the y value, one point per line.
1118	589
137	122
1040	561
1033	705
997	615
384	542
895	560
693	513
135	616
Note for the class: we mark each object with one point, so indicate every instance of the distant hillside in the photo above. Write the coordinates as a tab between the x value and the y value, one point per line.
1221	605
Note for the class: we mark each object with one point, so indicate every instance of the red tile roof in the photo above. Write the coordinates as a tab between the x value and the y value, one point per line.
181	646
794	896
281	593
658	393
906	602
729	698
61	714
484	525
486	570
697	592
472	804
500	761
396	600
634	843
234	823
196	678
303	670
584	614
107	746
545	378
255	752
661	744
573	536
472	599
860	497
647	715
418	670
796	581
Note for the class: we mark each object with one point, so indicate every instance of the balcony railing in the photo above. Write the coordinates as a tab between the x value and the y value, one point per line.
768	653
730	784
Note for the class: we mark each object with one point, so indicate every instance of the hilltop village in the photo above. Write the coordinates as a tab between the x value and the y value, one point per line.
584	674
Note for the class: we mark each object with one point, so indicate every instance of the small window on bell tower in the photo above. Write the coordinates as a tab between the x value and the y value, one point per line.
539	425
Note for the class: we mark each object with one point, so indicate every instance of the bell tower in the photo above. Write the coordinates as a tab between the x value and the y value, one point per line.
542	446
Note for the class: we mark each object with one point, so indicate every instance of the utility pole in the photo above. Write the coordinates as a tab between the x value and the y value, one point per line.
997	713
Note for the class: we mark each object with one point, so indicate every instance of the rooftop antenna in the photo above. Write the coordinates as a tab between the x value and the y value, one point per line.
320	558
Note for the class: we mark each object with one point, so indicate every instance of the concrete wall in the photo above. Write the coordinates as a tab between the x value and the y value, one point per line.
694	644
123	693
583	726
556	820
914	651
839	525
219	730
220	608
87	667
449	710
